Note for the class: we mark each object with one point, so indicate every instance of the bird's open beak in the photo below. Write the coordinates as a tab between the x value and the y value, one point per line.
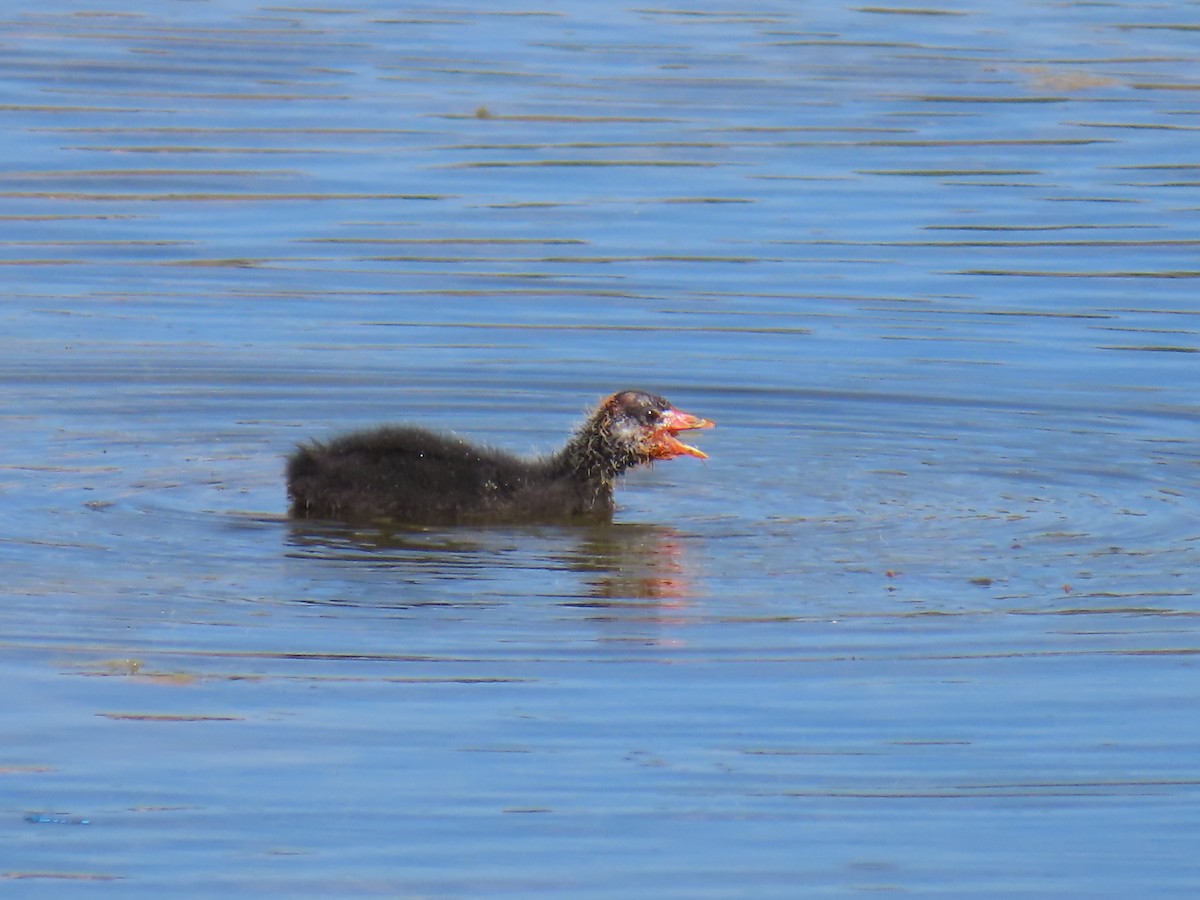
666	445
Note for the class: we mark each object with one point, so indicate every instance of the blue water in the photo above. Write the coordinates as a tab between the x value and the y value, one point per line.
925	621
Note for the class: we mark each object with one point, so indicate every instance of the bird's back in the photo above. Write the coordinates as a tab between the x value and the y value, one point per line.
407	474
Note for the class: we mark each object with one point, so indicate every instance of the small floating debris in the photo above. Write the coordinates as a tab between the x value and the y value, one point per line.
55	818
57	876
166	717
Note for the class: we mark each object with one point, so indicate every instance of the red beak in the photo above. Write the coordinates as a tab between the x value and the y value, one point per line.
666	445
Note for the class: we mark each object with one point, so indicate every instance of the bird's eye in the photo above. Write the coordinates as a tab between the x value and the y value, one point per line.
653	415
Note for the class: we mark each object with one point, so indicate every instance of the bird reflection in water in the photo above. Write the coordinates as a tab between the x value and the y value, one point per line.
619	566
633	563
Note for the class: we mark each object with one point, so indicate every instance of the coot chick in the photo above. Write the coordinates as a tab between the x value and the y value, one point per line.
409	475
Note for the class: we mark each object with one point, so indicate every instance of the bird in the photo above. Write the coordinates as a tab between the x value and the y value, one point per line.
407	475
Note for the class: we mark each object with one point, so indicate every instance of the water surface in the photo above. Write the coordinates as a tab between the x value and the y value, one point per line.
925	622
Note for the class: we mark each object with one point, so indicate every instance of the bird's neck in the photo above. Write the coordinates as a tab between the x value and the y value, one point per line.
592	457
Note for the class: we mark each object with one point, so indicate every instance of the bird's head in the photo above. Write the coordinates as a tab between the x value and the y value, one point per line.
644	427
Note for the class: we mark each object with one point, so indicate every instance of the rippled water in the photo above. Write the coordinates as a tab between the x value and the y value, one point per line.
926	621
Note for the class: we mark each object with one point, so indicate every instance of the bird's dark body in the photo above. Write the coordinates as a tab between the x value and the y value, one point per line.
408	474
